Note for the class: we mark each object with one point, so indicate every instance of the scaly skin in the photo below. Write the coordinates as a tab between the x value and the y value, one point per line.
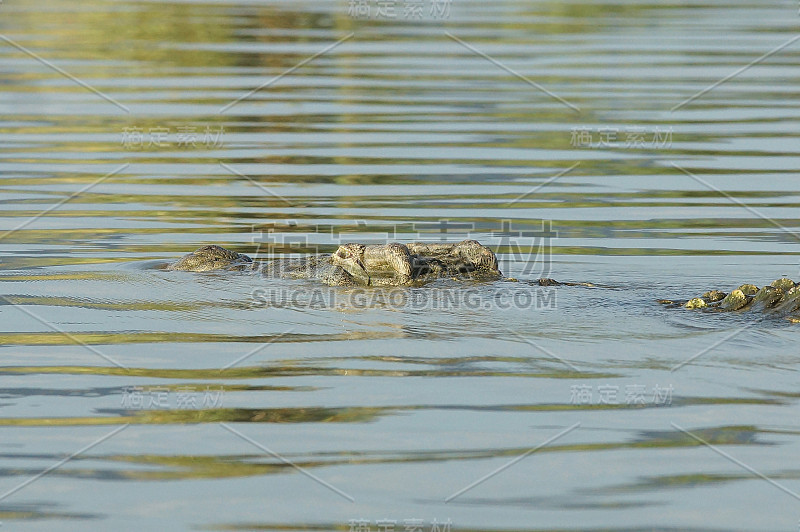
362	265
209	258
781	298
416	263
316	267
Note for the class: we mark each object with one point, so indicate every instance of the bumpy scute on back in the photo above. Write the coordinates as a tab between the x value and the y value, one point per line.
780	298
462	257
354	264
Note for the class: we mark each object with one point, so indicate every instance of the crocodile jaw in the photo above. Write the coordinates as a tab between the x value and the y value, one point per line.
349	257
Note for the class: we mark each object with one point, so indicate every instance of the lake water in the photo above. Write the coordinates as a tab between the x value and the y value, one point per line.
650	148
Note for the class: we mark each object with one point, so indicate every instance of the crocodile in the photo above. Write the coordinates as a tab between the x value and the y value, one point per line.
779	298
354	264
416	263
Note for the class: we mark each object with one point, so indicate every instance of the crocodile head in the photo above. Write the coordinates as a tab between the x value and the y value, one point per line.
350	257
209	258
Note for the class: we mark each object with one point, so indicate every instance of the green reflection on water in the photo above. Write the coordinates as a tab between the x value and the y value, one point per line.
359	414
223	466
253	372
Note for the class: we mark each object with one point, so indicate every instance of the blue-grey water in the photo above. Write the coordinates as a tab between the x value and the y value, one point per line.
649	148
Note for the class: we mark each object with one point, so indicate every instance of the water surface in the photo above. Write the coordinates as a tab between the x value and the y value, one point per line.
618	143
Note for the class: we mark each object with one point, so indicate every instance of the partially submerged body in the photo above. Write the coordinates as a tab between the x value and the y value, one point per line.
209	258
361	265
418	263
780	298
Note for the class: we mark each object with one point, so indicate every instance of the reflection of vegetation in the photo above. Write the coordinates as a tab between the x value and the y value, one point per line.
716	436
211	415
39	511
357	414
288	370
250	415
143	28
183	387
693	480
112	338
204	466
